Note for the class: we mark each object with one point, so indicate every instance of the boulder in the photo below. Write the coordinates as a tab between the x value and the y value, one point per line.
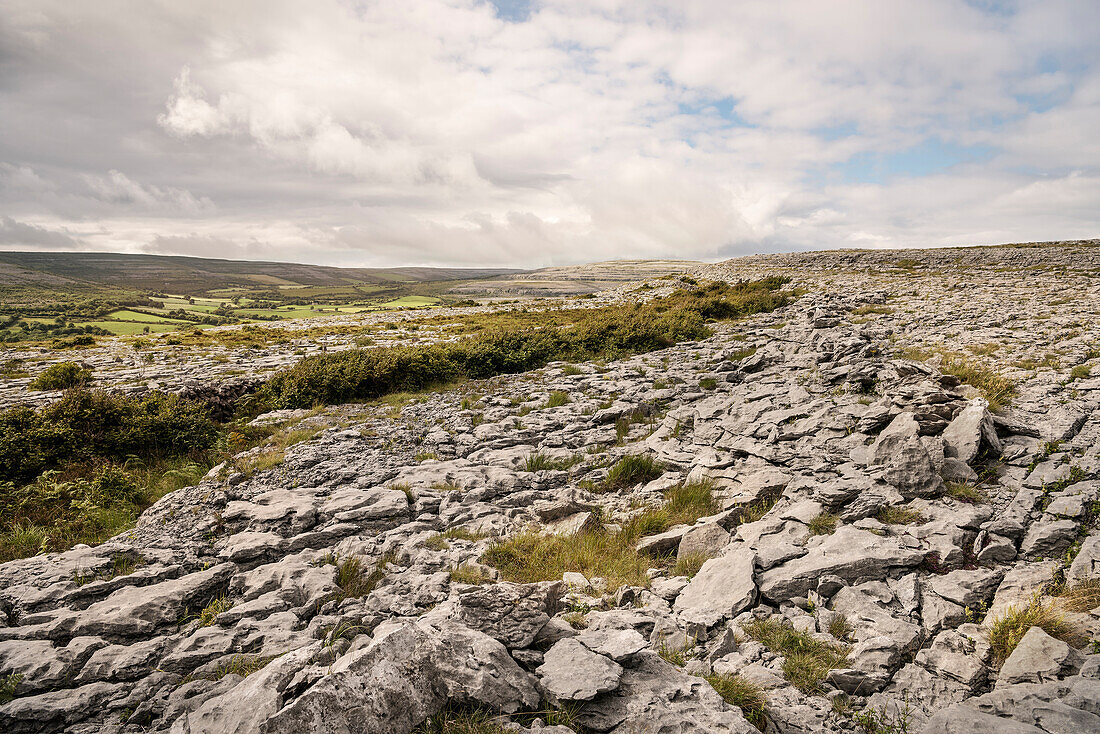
851	554
970	430
1037	658
404	676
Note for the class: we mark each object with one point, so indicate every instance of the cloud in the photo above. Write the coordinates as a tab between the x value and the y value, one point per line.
20	236
529	133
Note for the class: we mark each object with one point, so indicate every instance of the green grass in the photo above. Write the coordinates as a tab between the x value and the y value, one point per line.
539	461
530	557
689	564
743	694
630	471
1080	372
557	399
806	660
210	612
510	342
893	515
356	580
467	574
823	524
967	493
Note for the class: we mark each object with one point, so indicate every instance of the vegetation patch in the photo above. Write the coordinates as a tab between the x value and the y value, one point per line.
893	515
511	342
356	580
806	660
631	470
61	376
743	694
689	564
967	493
467	574
1011	626
530	557
1084	596
823	524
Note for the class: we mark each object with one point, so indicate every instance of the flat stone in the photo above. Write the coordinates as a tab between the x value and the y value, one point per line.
572	672
851	554
723	588
615	644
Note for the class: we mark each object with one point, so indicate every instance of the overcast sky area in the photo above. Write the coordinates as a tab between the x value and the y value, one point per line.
514	133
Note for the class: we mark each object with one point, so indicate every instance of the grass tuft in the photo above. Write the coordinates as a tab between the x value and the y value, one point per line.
892	515
210	612
632	470
530	557
743	694
467	574
355	581
1010	627
823	524
967	493
1084	596
806	660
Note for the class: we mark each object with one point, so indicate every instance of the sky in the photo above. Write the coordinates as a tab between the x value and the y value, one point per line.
525	133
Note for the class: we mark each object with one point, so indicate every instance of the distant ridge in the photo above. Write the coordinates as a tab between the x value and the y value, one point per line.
183	274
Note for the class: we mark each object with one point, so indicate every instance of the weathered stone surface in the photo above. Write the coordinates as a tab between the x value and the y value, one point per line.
723	588
1039	658
402	677
970	430
655	697
570	671
850	554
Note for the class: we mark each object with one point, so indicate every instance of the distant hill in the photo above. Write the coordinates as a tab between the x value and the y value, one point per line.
194	275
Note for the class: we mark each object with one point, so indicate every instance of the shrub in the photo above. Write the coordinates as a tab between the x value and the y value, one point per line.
516	342
743	694
93	425
61	376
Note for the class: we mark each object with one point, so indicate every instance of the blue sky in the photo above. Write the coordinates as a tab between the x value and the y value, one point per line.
535	132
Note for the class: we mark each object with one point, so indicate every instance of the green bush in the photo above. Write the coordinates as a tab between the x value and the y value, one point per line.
61	376
91	425
511	343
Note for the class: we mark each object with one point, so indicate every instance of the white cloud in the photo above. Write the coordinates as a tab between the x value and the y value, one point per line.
431	131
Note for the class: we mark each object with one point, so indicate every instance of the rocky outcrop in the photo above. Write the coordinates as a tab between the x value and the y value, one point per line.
348	589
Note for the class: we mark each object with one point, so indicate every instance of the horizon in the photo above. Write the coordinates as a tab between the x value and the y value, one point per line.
517	134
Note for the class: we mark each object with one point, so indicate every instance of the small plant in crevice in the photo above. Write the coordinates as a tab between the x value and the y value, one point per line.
823	524
1012	624
630	471
806	660
743	694
354	578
